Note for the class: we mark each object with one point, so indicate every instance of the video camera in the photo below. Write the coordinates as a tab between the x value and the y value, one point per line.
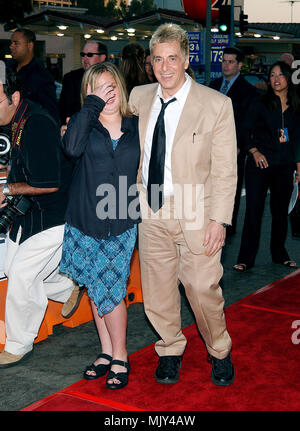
16	205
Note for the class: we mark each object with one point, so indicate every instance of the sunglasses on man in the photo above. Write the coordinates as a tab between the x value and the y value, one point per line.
90	54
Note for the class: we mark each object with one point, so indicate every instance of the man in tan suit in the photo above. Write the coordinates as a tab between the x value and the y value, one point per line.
181	238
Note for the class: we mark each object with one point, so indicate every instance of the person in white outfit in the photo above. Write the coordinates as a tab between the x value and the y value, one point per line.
36	196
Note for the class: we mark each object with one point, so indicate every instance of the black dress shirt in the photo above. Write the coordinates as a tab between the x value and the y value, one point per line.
39	162
38	85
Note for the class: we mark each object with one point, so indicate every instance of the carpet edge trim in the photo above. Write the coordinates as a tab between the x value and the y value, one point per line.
39	403
265	288
103	401
271	310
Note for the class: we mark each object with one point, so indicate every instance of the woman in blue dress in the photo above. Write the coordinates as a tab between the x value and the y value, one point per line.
103	211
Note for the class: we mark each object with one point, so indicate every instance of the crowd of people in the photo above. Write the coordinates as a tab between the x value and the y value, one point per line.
140	152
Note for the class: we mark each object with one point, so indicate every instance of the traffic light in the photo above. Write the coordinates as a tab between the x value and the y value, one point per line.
224	19
243	22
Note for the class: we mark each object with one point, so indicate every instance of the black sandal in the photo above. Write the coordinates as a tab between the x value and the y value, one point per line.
99	370
122	377
240	267
290	263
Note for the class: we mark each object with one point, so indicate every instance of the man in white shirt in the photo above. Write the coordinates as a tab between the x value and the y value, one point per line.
187	180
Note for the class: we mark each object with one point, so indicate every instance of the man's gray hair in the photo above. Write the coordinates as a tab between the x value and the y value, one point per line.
170	33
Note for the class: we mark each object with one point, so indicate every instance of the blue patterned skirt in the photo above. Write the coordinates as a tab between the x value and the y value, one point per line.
101	265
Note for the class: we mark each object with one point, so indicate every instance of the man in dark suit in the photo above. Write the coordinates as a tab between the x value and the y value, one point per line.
241	93
93	52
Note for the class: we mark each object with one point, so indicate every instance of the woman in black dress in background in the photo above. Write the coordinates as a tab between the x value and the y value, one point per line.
272	137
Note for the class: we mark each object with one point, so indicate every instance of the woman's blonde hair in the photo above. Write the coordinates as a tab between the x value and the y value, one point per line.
91	75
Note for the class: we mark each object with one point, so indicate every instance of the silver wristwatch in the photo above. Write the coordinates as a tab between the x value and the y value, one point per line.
5	189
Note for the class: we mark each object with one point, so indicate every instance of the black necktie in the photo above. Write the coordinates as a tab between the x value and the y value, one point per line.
155	194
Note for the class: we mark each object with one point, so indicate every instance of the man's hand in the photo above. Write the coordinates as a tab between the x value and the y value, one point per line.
297	178
2	198
214	238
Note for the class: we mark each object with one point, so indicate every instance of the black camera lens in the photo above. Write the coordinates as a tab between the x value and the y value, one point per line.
6	218
5	147
4	144
16	205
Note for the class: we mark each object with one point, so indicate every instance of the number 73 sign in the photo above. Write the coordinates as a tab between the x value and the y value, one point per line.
196	45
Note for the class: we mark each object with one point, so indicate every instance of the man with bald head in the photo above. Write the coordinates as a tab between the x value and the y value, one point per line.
93	52
287	58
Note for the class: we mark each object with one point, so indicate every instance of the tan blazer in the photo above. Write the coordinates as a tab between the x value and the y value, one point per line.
204	158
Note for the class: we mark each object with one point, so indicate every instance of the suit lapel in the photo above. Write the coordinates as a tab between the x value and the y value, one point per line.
235	87
145	108
190	115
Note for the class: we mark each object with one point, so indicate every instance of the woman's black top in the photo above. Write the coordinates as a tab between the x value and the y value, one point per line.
261	129
103	198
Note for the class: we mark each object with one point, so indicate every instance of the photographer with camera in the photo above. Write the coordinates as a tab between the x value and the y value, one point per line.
33	203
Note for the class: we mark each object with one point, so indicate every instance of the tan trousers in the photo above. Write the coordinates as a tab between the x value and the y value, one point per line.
165	258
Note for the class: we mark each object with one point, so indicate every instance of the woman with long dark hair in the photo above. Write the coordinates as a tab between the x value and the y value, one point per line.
133	65
272	139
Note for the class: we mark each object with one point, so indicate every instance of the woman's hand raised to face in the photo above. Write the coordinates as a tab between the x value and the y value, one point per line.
105	91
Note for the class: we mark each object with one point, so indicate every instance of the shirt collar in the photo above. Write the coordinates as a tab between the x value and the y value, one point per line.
232	80
127	124
181	93
25	67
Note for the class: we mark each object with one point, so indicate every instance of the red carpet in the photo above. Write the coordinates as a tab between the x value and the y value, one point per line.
265	358
283	296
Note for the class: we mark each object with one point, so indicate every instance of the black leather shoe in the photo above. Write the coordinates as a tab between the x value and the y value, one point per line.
167	371
222	373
